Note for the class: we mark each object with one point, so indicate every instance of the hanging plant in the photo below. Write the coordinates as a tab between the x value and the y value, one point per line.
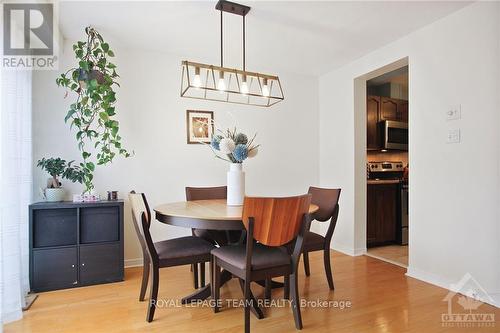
92	114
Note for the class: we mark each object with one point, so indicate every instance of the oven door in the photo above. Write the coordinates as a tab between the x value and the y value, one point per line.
395	135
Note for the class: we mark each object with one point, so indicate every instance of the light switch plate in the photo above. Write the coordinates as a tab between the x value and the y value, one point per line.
454	112
453	136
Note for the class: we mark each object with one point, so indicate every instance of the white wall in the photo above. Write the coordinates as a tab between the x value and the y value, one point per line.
153	123
454	188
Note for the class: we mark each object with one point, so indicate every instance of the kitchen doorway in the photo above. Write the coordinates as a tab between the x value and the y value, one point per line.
382	117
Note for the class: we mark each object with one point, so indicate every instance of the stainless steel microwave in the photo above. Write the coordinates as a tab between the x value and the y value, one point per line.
394	135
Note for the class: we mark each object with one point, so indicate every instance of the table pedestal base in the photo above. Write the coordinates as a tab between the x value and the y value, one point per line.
205	292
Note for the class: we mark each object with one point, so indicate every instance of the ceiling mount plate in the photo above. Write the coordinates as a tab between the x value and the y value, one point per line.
231	7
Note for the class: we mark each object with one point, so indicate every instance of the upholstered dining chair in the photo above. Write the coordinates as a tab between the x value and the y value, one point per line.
328	202
172	252
217	237
272	222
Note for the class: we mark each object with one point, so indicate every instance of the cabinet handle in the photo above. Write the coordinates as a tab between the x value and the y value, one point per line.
83	264
73	266
76	282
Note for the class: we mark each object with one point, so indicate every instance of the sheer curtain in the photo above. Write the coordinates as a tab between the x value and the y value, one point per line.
15	191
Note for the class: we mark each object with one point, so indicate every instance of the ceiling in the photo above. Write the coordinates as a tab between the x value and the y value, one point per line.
300	37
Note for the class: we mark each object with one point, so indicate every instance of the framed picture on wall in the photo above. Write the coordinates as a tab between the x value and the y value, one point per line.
200	126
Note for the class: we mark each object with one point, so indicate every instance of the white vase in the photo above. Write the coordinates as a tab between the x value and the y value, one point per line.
235	185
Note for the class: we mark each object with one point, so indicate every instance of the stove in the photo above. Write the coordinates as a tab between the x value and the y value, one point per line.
385	170
393	173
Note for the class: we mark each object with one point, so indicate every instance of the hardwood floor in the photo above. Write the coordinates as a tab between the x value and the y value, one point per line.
396	254
383	300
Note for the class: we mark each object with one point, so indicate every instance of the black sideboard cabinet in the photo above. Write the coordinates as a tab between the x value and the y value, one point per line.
75	244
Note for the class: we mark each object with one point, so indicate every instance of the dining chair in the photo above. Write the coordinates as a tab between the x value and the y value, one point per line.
216	237
208	193
328	202
167	253
272	222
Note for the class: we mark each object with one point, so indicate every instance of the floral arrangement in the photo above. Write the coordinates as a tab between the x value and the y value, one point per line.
232	146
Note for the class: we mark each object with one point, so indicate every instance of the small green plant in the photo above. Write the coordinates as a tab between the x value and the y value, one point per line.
57	167
92	114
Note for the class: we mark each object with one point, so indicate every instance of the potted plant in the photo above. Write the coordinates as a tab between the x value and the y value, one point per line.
57	167
234	147
92	115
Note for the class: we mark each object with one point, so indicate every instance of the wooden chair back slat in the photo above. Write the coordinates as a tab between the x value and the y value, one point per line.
206	193
326	199
141	217
277	220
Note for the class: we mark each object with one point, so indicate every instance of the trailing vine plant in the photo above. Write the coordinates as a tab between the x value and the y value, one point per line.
92	114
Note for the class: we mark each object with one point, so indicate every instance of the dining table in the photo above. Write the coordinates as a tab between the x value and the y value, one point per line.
212	214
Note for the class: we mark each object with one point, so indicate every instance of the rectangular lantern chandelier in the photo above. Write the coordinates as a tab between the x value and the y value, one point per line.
219	83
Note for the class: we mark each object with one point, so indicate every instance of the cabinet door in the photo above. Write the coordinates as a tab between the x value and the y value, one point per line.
372	128
371	216
388	109
387	213
101	263
403	111
381	214
54	269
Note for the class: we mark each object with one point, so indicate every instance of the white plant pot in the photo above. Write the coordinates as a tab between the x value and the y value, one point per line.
235	185
54	194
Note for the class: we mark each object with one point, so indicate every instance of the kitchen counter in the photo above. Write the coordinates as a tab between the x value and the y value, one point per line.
382	181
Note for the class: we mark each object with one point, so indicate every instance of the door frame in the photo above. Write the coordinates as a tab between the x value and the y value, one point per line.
360	188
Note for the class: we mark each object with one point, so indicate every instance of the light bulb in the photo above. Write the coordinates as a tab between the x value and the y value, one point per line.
244	86
197	78
221	85
265	88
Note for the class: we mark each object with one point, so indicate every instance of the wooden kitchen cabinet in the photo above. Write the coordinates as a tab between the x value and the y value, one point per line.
403	111
388	109
381	214
373	140
393	109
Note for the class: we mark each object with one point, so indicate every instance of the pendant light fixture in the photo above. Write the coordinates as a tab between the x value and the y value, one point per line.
219	83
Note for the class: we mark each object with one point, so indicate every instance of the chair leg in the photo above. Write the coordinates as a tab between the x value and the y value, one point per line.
202	274
145	278
248	304
155	276
296	301
286	287
195	275
328	268
212	280
306	263
216	287
267	290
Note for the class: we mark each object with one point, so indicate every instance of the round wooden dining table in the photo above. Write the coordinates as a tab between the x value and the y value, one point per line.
205	214
210	215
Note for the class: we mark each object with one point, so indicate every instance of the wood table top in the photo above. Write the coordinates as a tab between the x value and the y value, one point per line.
206	210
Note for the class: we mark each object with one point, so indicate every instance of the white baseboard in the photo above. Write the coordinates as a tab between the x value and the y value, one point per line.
360	251
133	262
11	316
439	281
349	250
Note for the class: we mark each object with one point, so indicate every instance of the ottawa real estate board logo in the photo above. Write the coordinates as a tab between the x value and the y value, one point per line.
29	35
465	308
